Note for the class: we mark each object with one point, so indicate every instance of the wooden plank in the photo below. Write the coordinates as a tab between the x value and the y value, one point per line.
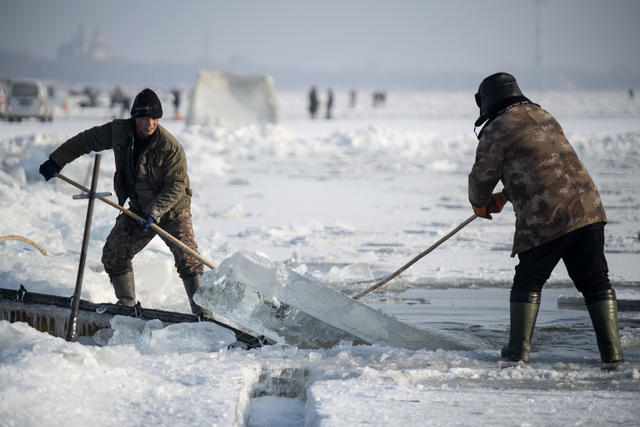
30	307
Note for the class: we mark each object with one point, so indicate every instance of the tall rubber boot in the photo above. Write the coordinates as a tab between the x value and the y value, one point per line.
124	287
524	311
191	285
603	310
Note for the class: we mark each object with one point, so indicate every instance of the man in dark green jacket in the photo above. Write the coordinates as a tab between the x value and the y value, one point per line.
151	172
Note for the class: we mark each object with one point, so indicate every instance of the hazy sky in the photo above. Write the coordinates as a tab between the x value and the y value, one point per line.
336	34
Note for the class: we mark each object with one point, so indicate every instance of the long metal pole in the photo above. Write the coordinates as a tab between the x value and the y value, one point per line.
155	227
72	325
415	259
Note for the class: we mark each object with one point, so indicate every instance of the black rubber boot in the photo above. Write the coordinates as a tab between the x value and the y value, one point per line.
603	310
124	287
191	285
524	311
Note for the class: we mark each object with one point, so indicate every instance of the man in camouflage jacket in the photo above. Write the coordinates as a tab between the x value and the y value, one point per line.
559	214
151	172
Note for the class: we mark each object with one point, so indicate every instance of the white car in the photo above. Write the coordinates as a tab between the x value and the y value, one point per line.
27	99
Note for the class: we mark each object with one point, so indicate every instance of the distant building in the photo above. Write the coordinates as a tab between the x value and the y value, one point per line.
80	47
98	47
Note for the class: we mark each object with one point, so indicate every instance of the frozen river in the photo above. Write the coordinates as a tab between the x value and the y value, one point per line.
349	201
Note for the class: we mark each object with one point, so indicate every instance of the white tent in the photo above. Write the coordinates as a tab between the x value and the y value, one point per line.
221	98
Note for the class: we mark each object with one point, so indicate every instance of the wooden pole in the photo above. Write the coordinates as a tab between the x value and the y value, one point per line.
155	227
72	325
415	259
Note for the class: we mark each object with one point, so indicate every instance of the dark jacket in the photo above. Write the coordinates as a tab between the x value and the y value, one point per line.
550	189
164	162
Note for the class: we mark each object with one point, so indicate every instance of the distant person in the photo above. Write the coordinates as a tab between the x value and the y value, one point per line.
379	98
329	103
313	102
151	171
559	214
353	95
92	97
176	103
630	92
120	98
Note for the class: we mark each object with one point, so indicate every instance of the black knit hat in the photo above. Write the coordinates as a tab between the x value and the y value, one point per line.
147	104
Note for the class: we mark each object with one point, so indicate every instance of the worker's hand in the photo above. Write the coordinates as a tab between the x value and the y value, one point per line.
49	169
496	203
145	224
481	212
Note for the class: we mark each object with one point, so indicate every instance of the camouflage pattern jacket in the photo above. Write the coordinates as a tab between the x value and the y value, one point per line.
163	162
550	189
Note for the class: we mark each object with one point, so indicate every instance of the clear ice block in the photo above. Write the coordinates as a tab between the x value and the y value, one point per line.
273	300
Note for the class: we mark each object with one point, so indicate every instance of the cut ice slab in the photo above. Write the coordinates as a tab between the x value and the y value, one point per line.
275	301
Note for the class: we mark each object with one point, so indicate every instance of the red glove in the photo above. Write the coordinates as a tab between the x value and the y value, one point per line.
495	205
481	212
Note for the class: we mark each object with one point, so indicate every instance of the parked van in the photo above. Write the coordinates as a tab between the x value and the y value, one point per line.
28	98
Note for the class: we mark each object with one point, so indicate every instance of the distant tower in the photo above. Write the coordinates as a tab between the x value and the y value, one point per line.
76	48
98	50
80	48
537	51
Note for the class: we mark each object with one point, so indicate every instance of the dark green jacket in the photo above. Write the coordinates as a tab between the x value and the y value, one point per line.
166	164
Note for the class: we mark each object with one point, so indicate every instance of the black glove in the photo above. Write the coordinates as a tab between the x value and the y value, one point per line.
49	169
145	224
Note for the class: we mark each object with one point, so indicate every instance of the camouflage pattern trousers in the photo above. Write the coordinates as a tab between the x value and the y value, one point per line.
127	239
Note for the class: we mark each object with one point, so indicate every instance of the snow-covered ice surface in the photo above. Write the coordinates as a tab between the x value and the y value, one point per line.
346	201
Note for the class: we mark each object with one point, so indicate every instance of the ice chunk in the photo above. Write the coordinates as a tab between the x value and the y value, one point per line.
153	336
129	330
243	307
273	300
190	338
351	272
